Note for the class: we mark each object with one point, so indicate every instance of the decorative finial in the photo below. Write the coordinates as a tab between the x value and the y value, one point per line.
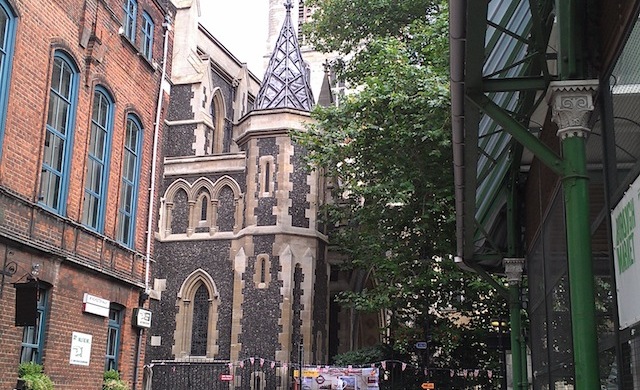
288	5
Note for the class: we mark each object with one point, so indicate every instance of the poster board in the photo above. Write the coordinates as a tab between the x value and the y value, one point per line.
340	378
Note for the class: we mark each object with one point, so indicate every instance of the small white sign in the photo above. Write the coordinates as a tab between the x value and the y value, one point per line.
80	349
95	305
142	318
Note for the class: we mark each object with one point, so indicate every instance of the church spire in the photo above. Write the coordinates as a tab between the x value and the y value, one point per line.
286	83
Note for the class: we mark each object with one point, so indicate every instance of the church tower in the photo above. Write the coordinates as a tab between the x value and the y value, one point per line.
241	276
315	61
282	204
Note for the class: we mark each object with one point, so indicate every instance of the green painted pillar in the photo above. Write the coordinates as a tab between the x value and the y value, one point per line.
513	270
516	329
572	104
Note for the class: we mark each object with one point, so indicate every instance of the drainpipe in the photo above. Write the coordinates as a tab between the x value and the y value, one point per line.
572	104
138	353
513	269
156	130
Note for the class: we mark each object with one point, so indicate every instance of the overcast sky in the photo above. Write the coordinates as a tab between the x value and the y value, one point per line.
241	26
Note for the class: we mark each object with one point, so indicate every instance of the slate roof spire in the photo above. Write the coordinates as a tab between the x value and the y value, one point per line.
286	82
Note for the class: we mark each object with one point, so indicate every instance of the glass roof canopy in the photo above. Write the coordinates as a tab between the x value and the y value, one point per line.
499	74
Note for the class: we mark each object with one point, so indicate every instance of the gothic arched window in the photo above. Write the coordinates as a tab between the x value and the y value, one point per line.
197	316
200	324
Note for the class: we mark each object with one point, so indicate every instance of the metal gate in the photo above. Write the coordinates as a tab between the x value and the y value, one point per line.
253	374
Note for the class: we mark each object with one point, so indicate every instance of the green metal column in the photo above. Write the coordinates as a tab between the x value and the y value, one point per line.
572	109
516	329
524	361
583	322
513	268
513	271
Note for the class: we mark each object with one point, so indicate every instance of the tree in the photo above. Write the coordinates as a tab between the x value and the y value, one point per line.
387	147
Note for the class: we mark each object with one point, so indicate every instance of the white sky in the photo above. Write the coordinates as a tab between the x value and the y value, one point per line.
241	26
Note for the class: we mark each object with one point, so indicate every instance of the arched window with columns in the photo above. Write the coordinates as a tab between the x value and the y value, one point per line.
189	210
196	331
217	117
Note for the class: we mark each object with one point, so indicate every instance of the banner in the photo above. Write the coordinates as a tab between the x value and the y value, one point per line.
339	378
625	221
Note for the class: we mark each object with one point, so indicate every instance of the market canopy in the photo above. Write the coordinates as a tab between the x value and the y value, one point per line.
500	56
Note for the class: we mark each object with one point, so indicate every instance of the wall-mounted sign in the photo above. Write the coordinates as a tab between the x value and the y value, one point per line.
141	318
95	305
80	349
26	303
625	221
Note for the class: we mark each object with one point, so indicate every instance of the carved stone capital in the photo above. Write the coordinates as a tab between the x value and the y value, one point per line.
513	267
572	104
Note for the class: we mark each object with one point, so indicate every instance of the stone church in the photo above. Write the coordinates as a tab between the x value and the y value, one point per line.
243	275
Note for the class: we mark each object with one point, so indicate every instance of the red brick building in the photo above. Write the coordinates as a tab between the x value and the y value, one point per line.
81	94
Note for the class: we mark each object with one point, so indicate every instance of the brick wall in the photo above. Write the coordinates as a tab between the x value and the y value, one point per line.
73	259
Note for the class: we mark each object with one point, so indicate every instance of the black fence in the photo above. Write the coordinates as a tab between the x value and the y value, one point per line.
257	374
217	375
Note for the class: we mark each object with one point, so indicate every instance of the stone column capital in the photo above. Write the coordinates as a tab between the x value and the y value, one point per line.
513	267
571	102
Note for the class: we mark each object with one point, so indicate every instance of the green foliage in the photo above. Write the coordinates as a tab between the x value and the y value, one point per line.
111	375
387	146
29	368
112	381
33	377
360	357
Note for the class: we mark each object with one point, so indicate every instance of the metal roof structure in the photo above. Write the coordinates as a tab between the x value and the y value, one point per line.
500	57
286	80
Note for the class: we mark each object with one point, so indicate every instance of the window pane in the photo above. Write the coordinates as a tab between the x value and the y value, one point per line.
65	83
29	335
97	142
132	135
127	198
203	209
96	166
32	335
130	167
90	215
112	341
56	75
100	109
94	176
52	114
59	119
53	148
200	326
61	116
3	27
130	19
113	338
128	170
124	228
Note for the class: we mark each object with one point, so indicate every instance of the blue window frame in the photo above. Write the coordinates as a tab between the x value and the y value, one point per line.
7	39
130	15
33	336
63	95
113	337
95	189
147	36
130	181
